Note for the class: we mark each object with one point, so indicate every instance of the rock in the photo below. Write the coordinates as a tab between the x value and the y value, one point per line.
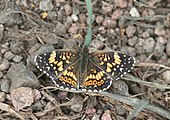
0	59
62	95
160	29
68	22
168	48
121	110
4	65
134	12
9	55
97	44
120	88
128	50
158	49
106	7
82	17
68	9
116	14
46	5
106	115
132	41
23	97
99	19
90	110
121	3
21	76
12	19
149	45
5	85
109	23
166	76
1	31
73	29
78	104
17	58
16	47
61	29
145	34
96	117
74	17
2	96
1	74
130	31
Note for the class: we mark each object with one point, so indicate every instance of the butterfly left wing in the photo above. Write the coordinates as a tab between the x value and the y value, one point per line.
56	62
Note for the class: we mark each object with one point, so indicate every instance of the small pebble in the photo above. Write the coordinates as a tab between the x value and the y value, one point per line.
74	17
121	3
2	96
16	47
62	95
149	45
1	31
97	44
99	19
145	34
158	49
67	9
106	7
46	5
130	31
23	97
19	76
121	110
160	29
82	18
9	55
109	23
96	117
4	65
5	85
116	14
166	76
17	58
120	88
132	41
78	104
168	48
134	12
1	74
1	58
61	29
73	29
106	115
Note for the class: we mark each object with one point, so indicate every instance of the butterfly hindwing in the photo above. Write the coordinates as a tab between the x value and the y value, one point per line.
96	79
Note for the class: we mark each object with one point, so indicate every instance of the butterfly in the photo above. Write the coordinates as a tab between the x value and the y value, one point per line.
83	70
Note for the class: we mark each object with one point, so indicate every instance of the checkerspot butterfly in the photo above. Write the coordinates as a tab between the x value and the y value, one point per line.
81	70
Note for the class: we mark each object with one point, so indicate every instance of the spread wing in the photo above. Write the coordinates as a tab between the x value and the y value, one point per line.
56	62
115	65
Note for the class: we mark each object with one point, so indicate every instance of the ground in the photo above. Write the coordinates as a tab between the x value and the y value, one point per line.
138	28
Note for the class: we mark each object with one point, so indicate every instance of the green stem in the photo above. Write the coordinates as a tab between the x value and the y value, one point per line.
89	32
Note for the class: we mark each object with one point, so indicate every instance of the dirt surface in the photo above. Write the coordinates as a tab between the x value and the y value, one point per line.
138	28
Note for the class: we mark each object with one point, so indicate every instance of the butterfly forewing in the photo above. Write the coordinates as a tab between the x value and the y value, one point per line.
115	65
55	62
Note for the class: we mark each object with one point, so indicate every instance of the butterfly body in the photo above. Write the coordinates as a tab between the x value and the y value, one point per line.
81	70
